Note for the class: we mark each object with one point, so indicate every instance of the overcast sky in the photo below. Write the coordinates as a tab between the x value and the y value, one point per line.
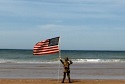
81	24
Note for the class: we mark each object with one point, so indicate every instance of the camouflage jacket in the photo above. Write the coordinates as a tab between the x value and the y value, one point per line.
66	65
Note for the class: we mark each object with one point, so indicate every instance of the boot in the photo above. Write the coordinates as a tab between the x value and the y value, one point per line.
69	80
63	80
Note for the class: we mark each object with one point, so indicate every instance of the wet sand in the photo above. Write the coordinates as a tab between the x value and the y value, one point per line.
47	73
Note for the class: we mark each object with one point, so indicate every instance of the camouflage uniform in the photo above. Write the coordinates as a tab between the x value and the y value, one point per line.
66	65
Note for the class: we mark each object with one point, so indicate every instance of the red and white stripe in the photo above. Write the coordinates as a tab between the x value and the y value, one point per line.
43	47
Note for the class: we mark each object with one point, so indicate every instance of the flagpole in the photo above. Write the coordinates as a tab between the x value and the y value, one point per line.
59	59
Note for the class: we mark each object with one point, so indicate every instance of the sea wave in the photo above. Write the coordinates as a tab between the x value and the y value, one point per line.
26	61
57	61
97	60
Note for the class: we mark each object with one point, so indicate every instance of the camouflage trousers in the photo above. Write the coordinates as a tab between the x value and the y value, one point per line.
64	76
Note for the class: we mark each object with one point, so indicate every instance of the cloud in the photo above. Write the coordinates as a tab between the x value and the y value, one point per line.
64	9
79	27
85	21
52	26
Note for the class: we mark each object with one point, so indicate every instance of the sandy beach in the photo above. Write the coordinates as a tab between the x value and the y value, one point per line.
47	73
54	81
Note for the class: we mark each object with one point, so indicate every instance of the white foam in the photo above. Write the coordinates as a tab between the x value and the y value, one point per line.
57	61
97	60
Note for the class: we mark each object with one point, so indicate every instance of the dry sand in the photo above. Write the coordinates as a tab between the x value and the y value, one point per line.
54	81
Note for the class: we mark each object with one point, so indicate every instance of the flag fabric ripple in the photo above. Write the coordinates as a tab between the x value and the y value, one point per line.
48	46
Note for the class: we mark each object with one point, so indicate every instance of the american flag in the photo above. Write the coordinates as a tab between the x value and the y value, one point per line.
48	46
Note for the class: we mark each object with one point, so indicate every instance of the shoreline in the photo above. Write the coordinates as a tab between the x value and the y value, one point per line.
81	73
54	81
91	71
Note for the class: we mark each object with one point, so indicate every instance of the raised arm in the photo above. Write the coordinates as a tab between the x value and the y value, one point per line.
70	62
61	60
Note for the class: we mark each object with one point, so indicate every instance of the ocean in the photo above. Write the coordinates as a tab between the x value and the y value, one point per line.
21	63
77	56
